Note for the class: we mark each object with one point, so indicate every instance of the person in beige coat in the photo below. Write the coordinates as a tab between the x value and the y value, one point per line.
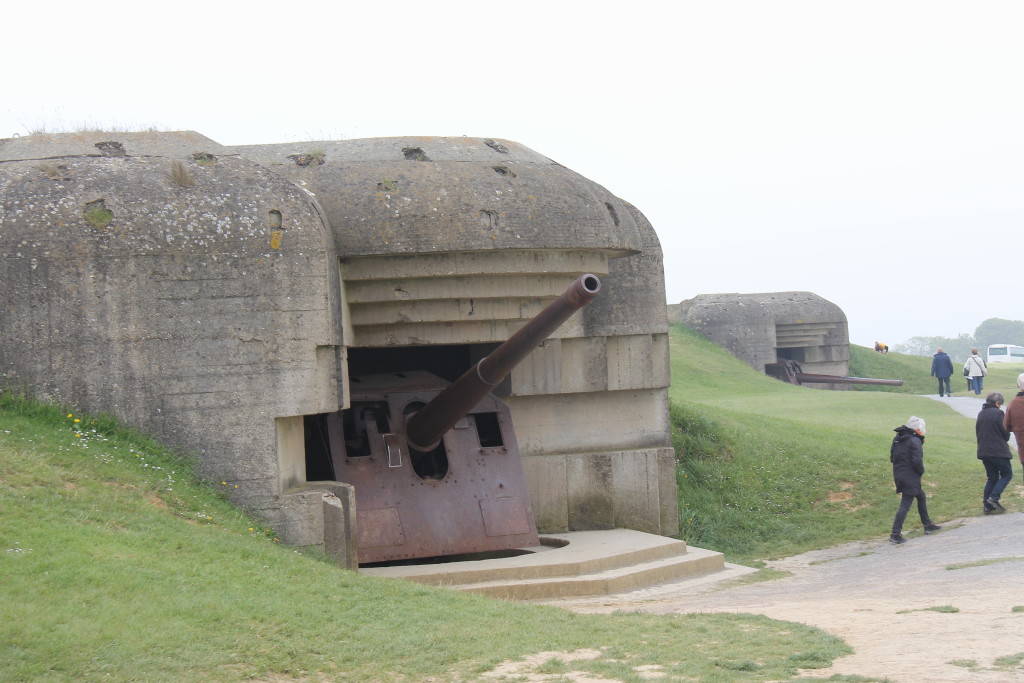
975	368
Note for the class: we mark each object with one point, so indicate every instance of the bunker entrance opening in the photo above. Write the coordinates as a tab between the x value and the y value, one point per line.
447	361
795	353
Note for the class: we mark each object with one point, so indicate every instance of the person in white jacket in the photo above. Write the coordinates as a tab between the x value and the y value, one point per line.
975	369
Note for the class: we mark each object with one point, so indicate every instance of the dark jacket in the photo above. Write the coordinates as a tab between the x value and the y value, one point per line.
992	435
942	366
907	457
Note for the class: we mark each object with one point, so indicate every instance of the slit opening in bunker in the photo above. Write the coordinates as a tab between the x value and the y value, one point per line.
447	361
793	353
488	430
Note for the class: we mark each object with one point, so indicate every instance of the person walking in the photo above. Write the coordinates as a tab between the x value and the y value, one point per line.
975	369
907	457
942	368
993	451
1014	418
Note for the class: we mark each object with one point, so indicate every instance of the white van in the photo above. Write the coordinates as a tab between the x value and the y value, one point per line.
1005	353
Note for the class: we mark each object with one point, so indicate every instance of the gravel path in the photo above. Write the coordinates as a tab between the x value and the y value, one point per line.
938	608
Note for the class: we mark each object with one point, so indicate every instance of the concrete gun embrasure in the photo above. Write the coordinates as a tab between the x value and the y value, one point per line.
436	466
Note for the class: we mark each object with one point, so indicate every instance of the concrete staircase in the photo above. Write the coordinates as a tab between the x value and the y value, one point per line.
575	564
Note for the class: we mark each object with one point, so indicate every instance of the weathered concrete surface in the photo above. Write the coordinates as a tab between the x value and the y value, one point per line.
421	195
203	313
769	327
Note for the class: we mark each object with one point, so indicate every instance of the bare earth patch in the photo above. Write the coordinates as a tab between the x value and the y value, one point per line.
527	669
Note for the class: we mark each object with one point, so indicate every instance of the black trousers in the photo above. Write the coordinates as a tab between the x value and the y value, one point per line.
905	503
946	380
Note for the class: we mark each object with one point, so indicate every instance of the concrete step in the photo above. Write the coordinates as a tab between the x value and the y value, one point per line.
694	561
575	564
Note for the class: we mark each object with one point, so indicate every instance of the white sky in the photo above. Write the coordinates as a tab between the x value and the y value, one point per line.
871	152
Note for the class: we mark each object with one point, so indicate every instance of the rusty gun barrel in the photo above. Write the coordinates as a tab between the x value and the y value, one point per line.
803	377
426	427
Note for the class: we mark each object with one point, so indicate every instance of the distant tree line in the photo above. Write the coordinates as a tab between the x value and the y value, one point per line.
992	331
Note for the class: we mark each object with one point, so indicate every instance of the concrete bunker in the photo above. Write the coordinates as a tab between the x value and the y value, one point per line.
768	328
234	315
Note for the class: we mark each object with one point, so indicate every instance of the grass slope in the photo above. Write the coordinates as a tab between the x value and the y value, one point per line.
769	469
116	564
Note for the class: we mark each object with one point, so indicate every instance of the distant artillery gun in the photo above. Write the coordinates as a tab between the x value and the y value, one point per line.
790	371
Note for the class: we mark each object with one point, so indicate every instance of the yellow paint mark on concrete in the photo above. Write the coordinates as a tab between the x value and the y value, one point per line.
275	239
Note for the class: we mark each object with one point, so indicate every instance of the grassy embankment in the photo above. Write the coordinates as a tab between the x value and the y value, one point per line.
769	469
116	564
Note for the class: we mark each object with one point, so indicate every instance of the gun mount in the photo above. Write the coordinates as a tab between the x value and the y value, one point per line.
790	371
436	466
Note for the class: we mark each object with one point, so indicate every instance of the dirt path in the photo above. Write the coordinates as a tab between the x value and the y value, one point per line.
894	605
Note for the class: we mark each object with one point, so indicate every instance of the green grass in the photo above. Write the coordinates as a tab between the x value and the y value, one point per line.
983	563
942	609
965	663
1001	665
116	563
768	469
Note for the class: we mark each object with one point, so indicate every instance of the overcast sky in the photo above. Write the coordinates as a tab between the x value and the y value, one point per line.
870	152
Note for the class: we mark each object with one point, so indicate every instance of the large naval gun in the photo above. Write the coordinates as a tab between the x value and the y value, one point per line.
790	371
436	466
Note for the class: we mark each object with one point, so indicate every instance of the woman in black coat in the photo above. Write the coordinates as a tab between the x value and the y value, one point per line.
993	451
907	457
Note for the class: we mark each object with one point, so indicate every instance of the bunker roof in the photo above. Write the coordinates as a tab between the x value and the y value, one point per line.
408	195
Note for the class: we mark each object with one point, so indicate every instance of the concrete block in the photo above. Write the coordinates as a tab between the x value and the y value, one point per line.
637	492
584	365
602	421
630	362
661	364
591	496
668	492
340	538
540	372
547	482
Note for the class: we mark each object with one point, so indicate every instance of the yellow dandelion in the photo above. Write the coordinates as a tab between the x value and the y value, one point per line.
223	483
77	420
71	414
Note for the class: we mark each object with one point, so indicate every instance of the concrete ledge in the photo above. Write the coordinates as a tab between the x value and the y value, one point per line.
574	564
